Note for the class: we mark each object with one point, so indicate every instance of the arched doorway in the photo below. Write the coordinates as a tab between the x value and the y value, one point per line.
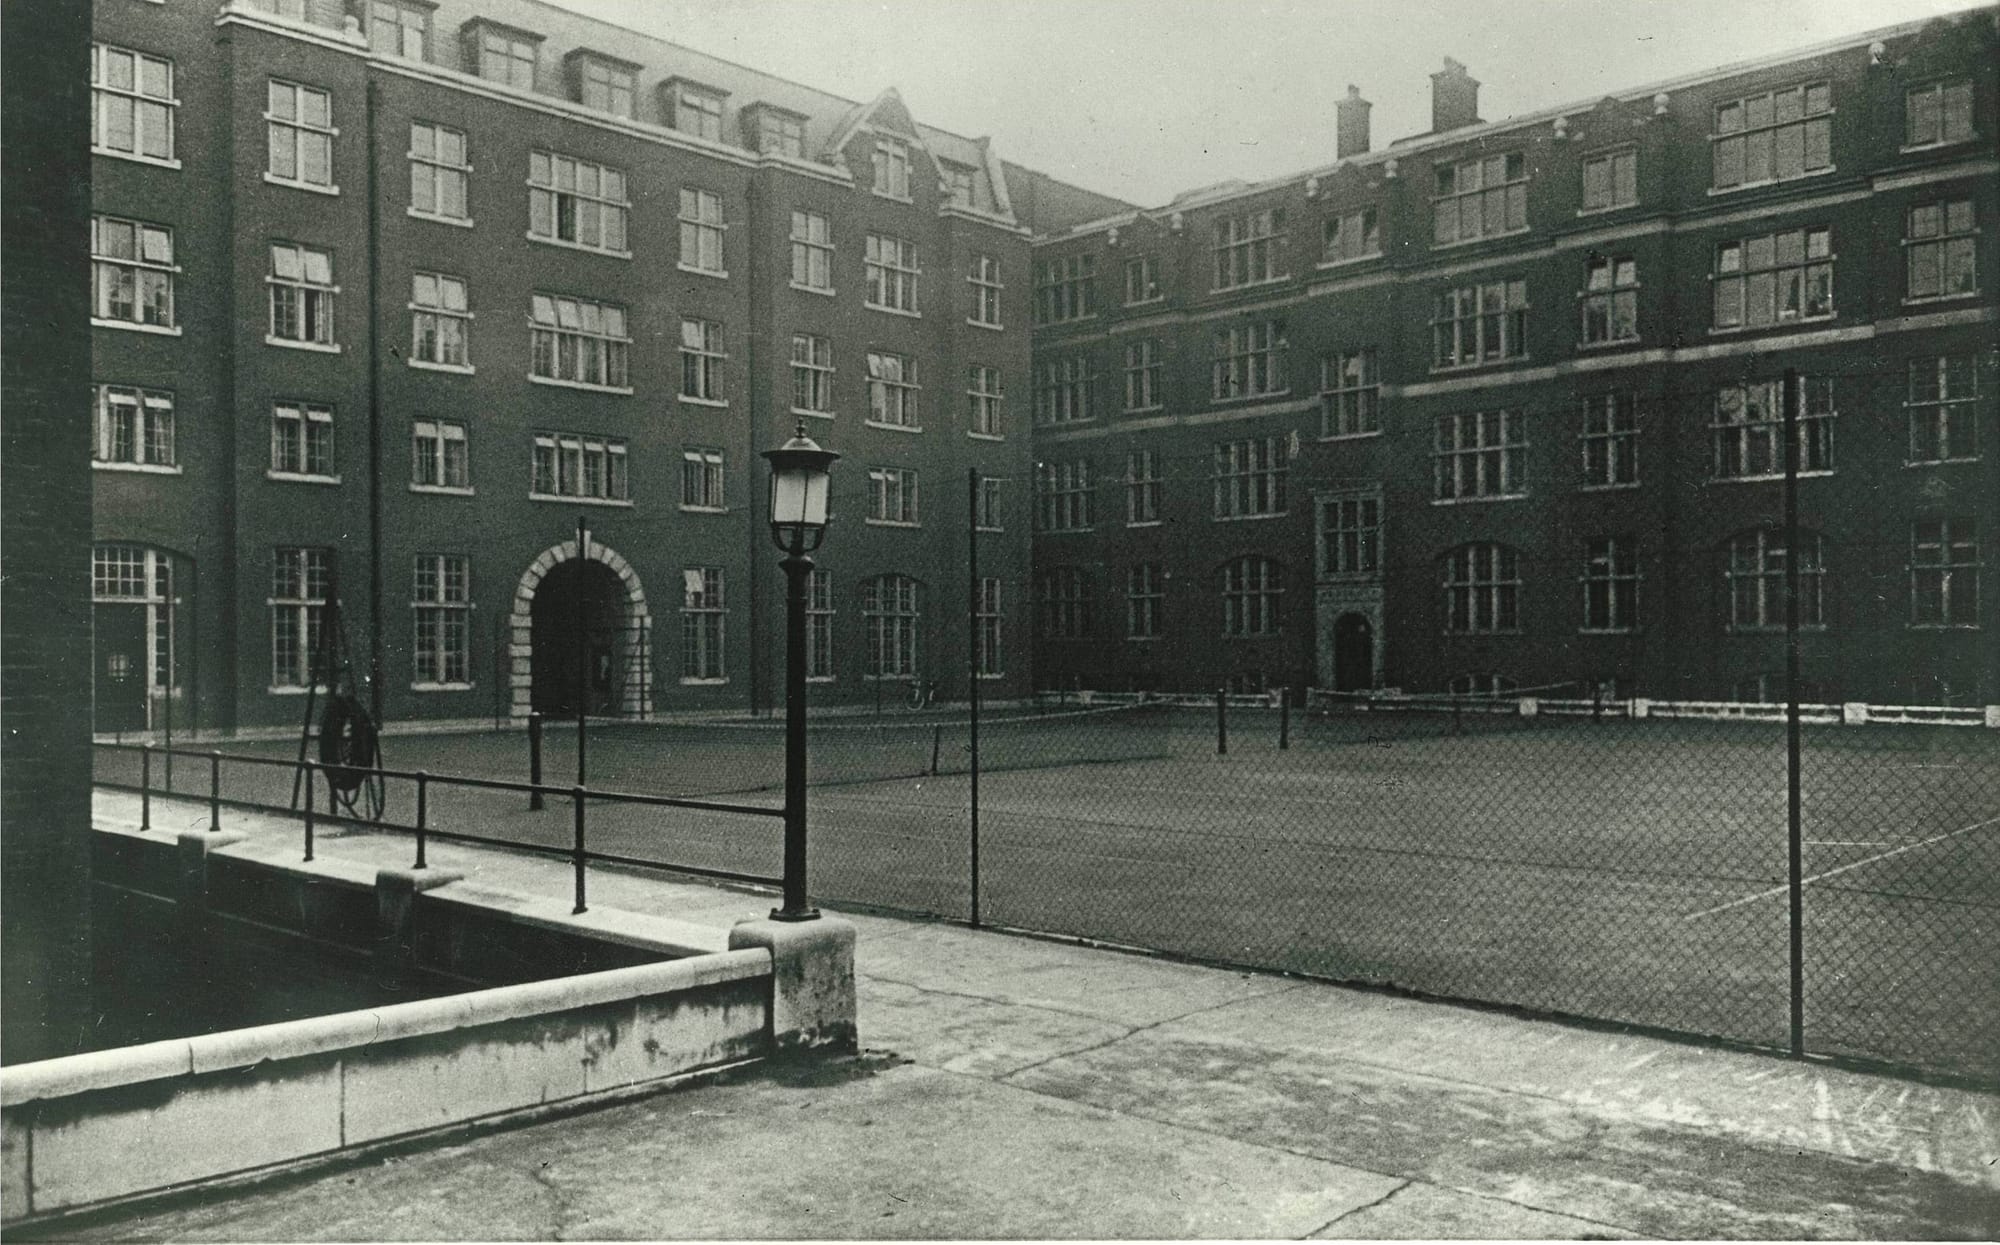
581	629
1353	654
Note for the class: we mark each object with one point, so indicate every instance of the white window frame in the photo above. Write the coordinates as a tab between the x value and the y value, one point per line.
812	375
1747	136
986	517
1142	488
400	27
703	482
702	360
1249	249
1609	301
781	134
989	657
606	86
697	111
135	429
435	467
812	252
1142	280
702	232
1748	429
1251	475
439	313
704	626
152	112
1066	496
303	442
598	337
1249	361
1253	597
1748	269
1145	600
441	622
127	574
892	391
1944	416
892	611
1482	584
1944	573
1754	574
890	264
1067	391
985	400
144	279
583	468
890	163
1064	594
1339	231
1616	174
596	193
1610	440
1065	289
301	579
506	57
820	611
1142	375
303	297
1468	194
1950	241
1479	456
1475	325
288	123
984	278
1350	392
1350	529
1611	585
1953	102
435	169
892	497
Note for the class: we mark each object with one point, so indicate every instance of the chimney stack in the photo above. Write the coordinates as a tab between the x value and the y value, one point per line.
1350	124
1454	98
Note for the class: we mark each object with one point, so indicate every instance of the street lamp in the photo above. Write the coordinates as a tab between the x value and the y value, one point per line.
799	477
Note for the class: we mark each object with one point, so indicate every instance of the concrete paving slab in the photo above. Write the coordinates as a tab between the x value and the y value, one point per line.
976	1036
1427	1212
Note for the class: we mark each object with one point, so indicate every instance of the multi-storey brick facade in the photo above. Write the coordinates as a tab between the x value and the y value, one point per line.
389	294
1499	405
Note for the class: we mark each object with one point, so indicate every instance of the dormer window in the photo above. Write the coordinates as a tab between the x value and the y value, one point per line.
400	28
602	83
892	167
778	133
695	109
959	182
503	54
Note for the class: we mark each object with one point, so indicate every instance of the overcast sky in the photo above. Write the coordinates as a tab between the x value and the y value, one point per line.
1145	98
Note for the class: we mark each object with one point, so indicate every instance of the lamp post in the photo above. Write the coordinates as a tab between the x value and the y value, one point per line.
799	477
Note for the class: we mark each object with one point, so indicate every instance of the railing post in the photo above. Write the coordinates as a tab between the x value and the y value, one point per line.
214	792
535	760
937	743
145	787
576	853
423	812
1221	721
309	809
1284	718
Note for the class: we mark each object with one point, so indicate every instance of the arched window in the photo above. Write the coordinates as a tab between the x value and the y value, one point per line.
1482	589
1755	571
890	608
1252	589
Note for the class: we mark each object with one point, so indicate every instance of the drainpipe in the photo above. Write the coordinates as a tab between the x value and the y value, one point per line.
374	421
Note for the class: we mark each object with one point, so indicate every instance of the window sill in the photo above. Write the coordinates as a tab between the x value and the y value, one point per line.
313	347
891	196
133	326
1329	265
1926	300
621	390
820	678
1924	464
824	291
1147	523
1251	518
135	158
1266	396
294	689
687	509
570	500
577	246
720	274
1767	477
692	682
457	222
1474	501
690	400
1064	531
273	179
1608	488
1451	368
1613	344
1258	284
888	678
1457	243
1774	181
1920	148
1056	425
989	529
443	490
1513	631
150	469
300	477
1154	409
802	412
894	311
1770	629
983	324
1942	626
876	423
441	687
1065	321
1144	302
910	523
1350	436
461	369
986	436
1737	330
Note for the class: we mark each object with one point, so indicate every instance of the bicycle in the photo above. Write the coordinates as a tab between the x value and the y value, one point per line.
922	693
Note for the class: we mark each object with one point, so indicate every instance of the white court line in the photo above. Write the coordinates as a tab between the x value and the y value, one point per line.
1820	877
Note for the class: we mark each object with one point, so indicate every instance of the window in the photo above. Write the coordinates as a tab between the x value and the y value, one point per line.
438	455
891	266
568	465
1142	375
1756	580
986	517
812	374
134	426
1944	573
1065	289
697	111
1611	585
1610	440
1773	136
812	251
1944	408
1939	112
138	575
1252	590
960	183
892	495
781	134
300	578
1610	300
1066	499
819	624
399	28
441	609
131	104
438	171
1145	600
986	629
1350	394
892	389
133	265
1482	589
701	231
439	321
1480	323
578	342
302	440
986	287
1480	454
1611	180
1142	488
302	292
983	397
576	202
1064	593
1774	278
701	480
1066	393
605	86
702	613
1142	280
1938	248
1351	535
1480	198
1351	235
1749	428
504	56
892	167
1250	477
701	361
1249	360
1249	248
889	608
299	127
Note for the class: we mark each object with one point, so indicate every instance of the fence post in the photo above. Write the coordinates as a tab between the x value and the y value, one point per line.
423	812
535	760
1284	718
1221	721
1795	862
214	791
1596	701
937	742
576	853
309	810
145	787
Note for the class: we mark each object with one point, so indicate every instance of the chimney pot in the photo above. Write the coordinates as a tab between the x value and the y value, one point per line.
1350	126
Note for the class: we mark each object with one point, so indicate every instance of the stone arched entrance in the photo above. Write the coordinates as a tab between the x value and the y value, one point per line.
620	647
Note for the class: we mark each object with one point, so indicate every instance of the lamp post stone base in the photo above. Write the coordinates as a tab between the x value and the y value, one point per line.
812	982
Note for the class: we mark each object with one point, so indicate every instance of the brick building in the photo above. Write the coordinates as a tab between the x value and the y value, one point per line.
1499	405
386	294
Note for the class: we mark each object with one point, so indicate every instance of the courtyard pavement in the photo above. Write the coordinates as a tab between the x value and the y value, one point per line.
1012	1087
